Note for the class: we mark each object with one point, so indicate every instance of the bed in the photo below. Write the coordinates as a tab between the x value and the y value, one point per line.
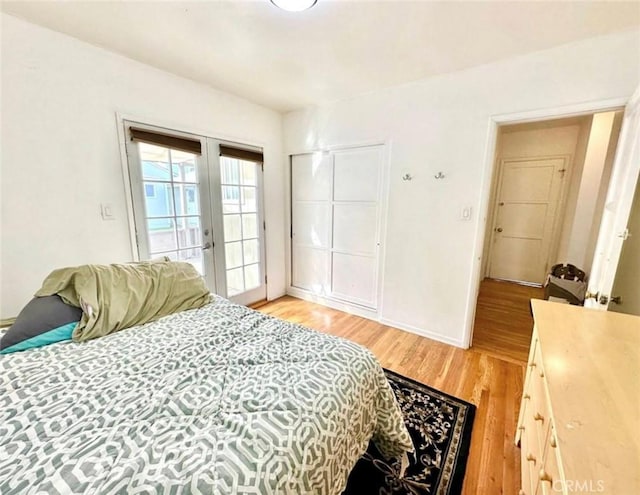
215	400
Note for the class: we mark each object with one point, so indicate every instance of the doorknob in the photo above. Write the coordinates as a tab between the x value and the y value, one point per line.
499	229
616	300
206	246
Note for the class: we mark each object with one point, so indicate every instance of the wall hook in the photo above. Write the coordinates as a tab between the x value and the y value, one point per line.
407	177
439	175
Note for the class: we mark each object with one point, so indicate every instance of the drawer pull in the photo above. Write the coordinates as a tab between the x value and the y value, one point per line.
526	396
552	441
538	417
532	365
531	457
541	374
544	476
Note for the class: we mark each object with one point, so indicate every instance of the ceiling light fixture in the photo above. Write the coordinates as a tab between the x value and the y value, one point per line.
294	5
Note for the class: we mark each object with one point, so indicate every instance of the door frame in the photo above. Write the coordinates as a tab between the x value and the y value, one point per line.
185	129
575	110
384	187
561	204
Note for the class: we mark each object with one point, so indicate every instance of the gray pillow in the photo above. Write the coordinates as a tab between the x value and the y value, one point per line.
43	321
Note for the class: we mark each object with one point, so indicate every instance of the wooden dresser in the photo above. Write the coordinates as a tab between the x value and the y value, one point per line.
579	423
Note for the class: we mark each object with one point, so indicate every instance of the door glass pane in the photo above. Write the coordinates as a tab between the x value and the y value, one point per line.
232	228
250	250
230	199
162	234
154	161
248	199
183	166
230	170
235	282
233	252
242	225
157	199
171	196
186	199
251	277
189	232
250	226
249	173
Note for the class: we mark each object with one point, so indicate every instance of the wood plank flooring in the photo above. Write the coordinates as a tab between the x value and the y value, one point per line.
489	377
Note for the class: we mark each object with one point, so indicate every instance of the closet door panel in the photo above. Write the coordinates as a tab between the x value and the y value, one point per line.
354	278
311	225
310	269
311	177
356	174
354	228
311	189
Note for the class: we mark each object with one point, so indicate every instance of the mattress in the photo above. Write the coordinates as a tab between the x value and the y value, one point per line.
216	400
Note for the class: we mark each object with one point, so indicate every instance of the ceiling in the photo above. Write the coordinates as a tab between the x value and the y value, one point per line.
335	50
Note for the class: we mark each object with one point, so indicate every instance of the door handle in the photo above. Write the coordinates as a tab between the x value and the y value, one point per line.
206	246
499	229
616	300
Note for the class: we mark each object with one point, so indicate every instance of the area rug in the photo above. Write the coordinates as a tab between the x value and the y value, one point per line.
440	427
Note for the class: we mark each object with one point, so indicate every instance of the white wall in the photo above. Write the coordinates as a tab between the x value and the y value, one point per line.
61	157
444	124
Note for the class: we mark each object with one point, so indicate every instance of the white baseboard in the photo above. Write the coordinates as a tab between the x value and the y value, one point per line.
353	309
422	332
371	315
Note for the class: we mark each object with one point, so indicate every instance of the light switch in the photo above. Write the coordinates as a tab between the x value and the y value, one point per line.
106	210
465	213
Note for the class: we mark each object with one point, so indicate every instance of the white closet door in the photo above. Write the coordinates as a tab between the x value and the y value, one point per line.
311	189
356	211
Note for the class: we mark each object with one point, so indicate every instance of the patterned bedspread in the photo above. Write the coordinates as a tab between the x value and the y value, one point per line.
217	400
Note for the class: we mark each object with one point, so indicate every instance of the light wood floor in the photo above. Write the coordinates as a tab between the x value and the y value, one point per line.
490	378
503	323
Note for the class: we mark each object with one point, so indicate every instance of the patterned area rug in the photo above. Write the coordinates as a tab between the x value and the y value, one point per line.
440	427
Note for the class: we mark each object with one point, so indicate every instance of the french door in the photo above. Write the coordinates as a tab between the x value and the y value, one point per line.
199	200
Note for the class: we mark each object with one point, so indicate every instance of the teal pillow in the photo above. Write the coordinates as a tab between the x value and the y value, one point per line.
43	321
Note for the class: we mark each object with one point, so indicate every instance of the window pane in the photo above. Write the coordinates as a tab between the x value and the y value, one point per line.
248	199
186	199
235	282
155	162
250	226
230	170
251	251
172	255
193	256
249	173
162	235
251	276
230	199
157	199
233	251
183	166
189	232
232	231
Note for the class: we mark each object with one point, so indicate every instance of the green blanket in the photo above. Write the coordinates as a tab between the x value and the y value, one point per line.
114	297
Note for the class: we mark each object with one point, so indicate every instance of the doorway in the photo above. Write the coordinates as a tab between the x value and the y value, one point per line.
199	200
550	180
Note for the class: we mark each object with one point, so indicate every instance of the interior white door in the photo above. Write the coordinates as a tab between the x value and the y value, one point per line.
615	217
311	193
354	250
526	207
625	295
